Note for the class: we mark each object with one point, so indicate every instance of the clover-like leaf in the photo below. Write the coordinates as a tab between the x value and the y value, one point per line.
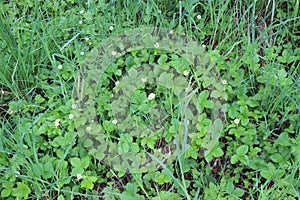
21	191
88	182
242	150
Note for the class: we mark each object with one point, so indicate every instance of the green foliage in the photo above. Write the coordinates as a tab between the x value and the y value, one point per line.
251	152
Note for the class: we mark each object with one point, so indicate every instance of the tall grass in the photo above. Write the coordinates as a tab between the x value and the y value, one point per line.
18	61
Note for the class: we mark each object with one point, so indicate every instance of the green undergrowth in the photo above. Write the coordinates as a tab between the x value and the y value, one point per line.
254	46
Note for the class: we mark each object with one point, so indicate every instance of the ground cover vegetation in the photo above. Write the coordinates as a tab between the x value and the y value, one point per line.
255	47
